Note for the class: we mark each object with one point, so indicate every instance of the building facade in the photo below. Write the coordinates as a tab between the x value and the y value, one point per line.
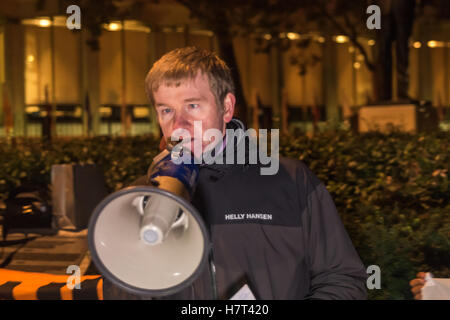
47	69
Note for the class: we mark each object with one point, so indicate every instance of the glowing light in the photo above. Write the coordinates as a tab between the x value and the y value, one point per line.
417	44
371	42
267	36
357	65
293	36
341	39
45	23
113	26
30	58
435	44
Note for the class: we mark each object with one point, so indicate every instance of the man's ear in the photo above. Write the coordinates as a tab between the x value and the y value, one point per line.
228	107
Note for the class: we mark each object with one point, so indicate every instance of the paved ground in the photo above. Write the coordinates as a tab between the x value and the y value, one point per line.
46	253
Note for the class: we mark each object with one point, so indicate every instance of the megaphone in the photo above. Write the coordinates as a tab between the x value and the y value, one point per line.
149	240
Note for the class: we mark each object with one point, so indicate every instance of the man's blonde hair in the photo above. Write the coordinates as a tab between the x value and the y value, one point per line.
184	63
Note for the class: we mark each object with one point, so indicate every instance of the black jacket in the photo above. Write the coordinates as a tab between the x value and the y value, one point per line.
280	234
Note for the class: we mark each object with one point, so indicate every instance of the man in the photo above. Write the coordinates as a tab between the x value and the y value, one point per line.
279	234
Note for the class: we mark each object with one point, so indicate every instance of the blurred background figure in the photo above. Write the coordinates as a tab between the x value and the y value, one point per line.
396	25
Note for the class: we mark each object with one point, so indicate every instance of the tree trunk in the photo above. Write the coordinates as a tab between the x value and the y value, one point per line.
226	48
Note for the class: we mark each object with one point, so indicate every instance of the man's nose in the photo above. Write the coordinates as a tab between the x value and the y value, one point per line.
181	122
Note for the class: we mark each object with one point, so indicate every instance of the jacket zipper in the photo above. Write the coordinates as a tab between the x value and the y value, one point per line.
212	269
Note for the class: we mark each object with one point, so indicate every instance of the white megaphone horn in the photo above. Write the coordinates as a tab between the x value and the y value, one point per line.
150	240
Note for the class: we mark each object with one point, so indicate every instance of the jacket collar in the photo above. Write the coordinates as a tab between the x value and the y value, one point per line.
218	170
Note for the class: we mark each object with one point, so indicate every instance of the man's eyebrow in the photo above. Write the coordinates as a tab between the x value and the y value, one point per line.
193	99
162	104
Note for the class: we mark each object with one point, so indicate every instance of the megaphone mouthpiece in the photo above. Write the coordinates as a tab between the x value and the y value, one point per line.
151	235
159	215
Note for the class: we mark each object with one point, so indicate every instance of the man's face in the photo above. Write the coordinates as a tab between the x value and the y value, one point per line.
178	107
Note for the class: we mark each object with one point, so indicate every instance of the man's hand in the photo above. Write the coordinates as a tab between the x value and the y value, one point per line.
417	285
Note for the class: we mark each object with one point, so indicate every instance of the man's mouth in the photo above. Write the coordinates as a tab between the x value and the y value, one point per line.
183	143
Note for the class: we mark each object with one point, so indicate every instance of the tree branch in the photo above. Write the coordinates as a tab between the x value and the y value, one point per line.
351	35
354	39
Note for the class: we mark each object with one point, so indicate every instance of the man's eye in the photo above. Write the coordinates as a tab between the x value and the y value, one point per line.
165	111
193	106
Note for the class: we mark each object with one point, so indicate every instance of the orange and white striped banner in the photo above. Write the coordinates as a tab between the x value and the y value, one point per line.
20	285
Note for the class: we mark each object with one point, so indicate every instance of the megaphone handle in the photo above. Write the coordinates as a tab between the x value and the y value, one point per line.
181	221
138	203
